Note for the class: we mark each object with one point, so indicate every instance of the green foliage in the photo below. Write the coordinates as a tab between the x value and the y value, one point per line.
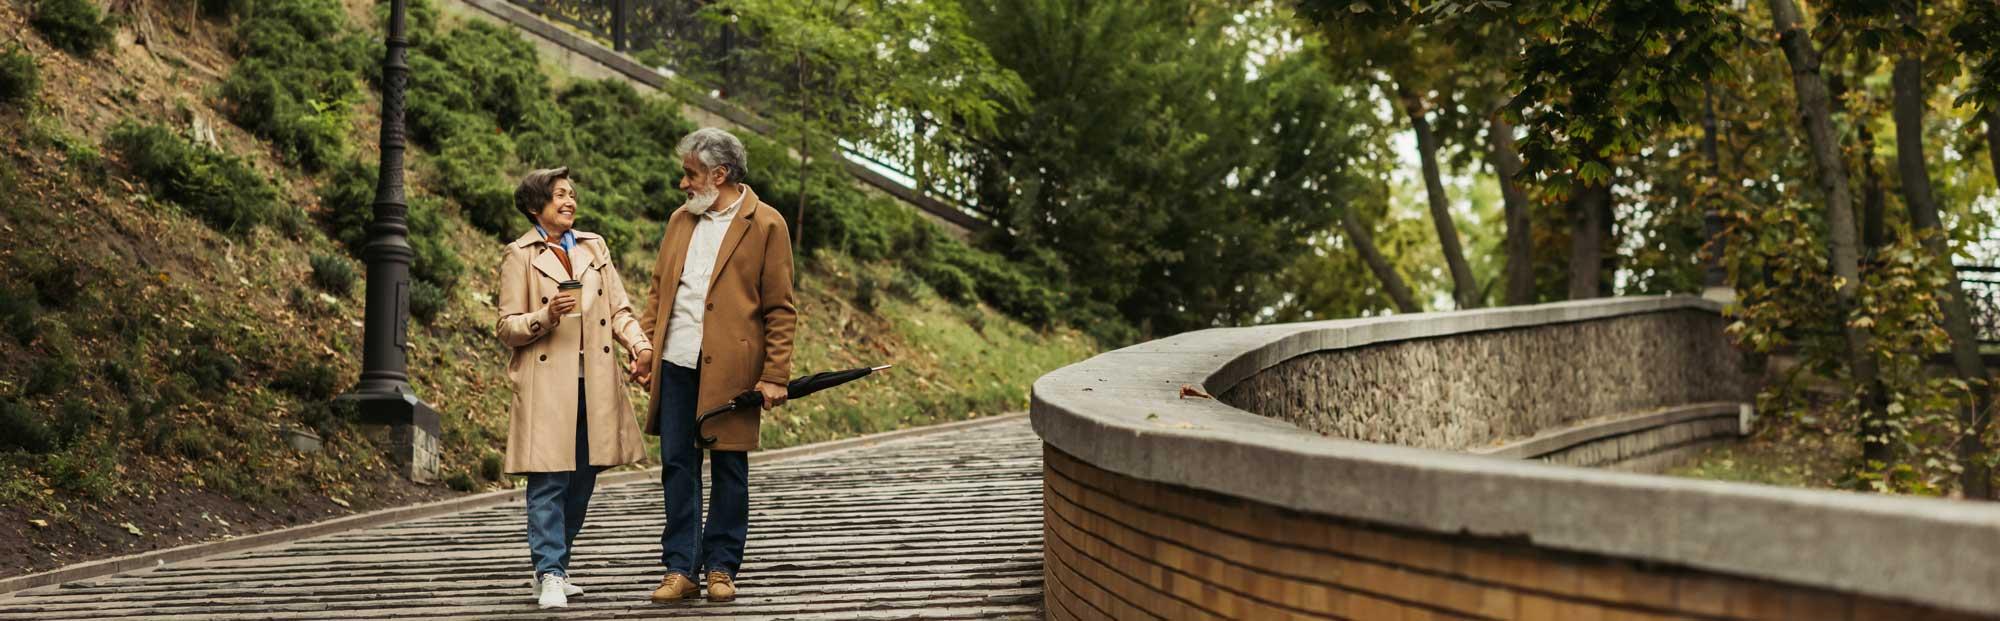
332	274
19	77
22	429
426	301
202	360
50	374
17	314
295	79
1148	183
225	8
221	189
309	380
461	480
491	466
75	26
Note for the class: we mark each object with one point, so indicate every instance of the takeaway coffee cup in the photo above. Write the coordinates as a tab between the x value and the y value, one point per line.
574	286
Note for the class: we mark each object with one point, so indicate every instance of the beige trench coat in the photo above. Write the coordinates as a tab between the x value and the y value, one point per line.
747	322
542	434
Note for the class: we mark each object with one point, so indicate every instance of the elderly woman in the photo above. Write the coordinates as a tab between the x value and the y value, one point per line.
561	305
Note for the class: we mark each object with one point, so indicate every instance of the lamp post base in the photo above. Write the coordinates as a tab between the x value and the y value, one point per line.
408	425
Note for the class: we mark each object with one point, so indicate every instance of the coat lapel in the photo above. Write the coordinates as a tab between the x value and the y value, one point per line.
548	263
737	229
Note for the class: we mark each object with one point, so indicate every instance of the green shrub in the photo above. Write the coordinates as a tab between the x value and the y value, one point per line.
347	200
22	429
224	8
426	301
192	442
18	310
332	274
76	26
492	466
75	420
54	280
50	374
310	381
19	77
219	188
865	291
205	364
90	471
435	261
461	480
296	79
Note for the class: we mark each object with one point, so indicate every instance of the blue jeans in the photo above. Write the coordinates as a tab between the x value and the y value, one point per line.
557	502
687	546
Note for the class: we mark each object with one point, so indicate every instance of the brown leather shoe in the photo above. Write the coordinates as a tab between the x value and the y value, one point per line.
675	588
721	588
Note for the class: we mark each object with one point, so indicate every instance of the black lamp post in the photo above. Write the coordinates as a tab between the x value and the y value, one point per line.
383	396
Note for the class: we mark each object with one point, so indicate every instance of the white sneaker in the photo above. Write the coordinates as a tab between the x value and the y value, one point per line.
570	589
554	592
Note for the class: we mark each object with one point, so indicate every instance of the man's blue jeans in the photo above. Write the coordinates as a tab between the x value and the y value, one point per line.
687	547
557	502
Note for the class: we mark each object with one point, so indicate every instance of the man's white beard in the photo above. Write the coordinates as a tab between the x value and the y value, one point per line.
701	201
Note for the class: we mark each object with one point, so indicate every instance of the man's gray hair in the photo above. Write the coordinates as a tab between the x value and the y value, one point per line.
715	147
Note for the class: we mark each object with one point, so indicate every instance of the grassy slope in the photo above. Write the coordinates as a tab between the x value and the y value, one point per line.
182	457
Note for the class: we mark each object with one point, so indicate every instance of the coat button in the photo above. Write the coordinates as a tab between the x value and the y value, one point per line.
545	299
711	306
600	293
545	358
707	359
607	349
600	322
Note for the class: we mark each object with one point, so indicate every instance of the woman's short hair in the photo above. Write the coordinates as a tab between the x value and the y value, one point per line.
537	189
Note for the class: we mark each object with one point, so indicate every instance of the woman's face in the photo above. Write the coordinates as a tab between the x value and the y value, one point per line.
560	213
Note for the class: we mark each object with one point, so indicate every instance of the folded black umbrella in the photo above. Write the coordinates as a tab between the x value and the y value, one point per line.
799	387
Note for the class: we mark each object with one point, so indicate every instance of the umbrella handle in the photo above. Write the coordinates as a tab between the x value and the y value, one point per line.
747	398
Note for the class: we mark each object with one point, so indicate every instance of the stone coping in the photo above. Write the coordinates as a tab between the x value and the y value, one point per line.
1558	440
1122	411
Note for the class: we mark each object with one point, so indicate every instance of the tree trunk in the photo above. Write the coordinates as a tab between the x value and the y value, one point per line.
1908	78
1713	273
1815	112
1464	290
805	157
1392	283
1520	243
1588	205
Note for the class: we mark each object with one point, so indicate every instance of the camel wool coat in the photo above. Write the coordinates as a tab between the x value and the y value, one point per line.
747	321
542	434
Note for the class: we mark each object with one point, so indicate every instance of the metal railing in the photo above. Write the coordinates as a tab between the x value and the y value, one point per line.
1982	295
702	49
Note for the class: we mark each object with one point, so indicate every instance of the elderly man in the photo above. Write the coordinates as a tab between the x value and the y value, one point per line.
722	306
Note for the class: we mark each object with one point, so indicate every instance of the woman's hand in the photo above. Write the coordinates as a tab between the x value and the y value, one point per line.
642	367
561	305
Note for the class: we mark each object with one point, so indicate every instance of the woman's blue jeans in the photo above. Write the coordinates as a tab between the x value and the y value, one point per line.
557	502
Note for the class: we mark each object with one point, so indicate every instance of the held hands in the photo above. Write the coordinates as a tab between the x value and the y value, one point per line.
774	394
642	367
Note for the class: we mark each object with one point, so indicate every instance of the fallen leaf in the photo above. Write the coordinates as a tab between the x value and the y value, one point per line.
39	523
130	528
338	501
1192	391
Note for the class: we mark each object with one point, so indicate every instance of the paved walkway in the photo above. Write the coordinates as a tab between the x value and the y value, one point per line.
945	526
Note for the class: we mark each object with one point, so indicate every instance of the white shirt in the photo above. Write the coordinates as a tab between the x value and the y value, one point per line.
684	326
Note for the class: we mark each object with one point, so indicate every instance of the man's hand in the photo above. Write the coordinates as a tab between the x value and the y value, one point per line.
642	367
774	394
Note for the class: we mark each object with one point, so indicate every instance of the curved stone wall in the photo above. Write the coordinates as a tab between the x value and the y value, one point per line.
1480	388
1165	506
